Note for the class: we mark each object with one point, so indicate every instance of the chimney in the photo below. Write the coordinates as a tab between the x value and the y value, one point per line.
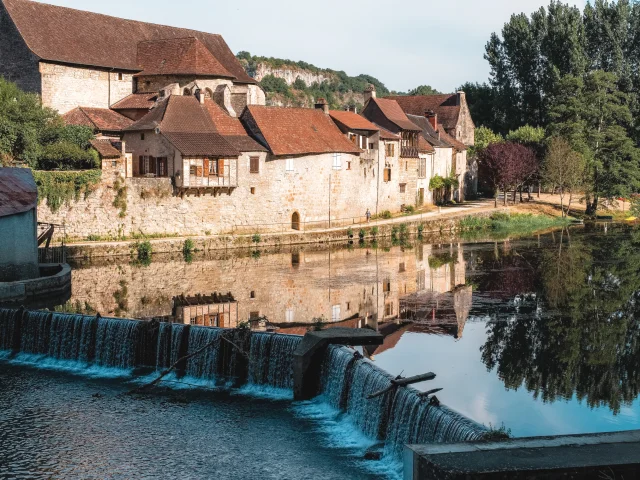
321	104
369	92
351	108
460	98
433	118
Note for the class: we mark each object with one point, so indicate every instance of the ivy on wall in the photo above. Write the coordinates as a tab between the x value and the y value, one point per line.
62	187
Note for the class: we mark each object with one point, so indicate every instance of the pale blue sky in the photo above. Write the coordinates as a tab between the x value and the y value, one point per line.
403	43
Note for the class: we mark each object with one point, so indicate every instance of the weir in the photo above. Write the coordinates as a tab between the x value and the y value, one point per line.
398	417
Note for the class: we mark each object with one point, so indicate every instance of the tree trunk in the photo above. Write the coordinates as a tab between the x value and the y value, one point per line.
515	190
520	194
562	202
538	189
569	204
505	197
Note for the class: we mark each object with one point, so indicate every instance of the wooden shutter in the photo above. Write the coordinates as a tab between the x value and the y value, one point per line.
254	164
387	174
221	167
141	165
206	166
198	171
152	165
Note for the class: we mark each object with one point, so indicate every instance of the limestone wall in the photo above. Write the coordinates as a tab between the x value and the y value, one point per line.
290	75
65	87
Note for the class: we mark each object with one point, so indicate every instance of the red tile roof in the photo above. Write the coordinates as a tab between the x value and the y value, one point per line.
187	125
224	123
105	149
298	131
394	114
352	120
244	143
192	144
18	191
178	56
66	35
101	119
387	135
450	140
444	105
136	101
424	146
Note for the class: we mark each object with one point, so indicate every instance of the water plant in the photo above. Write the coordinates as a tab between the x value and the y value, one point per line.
361	234
420	229
374	231
350	232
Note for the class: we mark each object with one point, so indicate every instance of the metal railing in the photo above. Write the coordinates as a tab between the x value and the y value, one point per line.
51	243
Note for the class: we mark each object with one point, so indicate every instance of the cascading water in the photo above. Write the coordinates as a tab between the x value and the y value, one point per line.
397	419
270	359
346	379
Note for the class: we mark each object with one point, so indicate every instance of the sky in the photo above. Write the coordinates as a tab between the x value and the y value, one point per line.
403	44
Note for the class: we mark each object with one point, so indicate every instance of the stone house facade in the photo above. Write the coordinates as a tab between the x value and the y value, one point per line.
100	60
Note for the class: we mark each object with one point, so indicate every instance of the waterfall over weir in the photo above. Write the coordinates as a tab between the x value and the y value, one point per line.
220	355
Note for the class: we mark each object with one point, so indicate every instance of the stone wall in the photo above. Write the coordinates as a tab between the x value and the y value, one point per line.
17	63
67	87
466	128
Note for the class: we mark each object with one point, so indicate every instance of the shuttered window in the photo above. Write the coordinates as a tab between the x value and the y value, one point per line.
198	171
387	174
403	187
254	164
337	161
221	168
390	149
206	168
213	167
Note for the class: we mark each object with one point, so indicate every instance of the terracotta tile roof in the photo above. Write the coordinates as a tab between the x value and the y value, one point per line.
178	56
101	119
394	114
444	105
352	120
450	140
18	191
424	146
224	123
244	143
387	135
298	131
66	35
201	144
428	133
105	149
136	101
176	113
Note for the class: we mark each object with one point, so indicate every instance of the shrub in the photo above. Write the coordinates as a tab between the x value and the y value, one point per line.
374	231
188	247
144	249
635	206
403	229
438	260
60	188
394	232
386	214
420	229
120	199
256	238
65	155
436	183
350	232
361	234
409	209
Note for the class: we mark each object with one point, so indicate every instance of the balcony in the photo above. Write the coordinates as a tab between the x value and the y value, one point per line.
409	152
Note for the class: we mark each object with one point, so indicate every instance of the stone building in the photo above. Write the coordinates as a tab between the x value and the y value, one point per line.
452	110
74	58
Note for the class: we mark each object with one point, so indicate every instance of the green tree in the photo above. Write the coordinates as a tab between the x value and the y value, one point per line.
483	138
594	115
272	84
565	169
424	90
65	155
299	84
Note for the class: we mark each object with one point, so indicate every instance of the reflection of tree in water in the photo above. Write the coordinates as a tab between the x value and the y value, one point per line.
583	337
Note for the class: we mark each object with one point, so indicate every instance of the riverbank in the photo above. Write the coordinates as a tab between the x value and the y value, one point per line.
432	226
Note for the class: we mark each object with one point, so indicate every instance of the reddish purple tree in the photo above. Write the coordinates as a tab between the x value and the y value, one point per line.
507	166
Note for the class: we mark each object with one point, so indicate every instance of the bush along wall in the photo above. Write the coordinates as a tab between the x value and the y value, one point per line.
62	187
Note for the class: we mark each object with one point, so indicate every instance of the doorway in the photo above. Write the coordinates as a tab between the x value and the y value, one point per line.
295	221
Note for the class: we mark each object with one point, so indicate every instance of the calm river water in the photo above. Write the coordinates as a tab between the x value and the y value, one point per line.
541	334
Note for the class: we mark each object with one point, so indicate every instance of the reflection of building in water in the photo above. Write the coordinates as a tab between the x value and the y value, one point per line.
363	287
215	310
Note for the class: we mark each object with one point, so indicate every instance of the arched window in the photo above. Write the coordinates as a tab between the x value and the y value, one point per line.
295	221
208	93
186	92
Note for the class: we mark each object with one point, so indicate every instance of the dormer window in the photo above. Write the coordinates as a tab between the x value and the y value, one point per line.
119	76
142	136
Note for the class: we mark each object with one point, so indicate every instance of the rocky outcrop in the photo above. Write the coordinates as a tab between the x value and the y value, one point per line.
290	74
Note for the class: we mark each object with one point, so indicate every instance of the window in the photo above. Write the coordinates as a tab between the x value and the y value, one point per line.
254	315
420	280
142	136
387	174
371	146
114	163
120	76
289	315
390	149
193	170
386	286
213	167
337	161
401	268
254	164
403	187
162	167
253	190
388	309
289	165
353	137
335	313
348	165
348	306
422	168
363	142
252	294
295	259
